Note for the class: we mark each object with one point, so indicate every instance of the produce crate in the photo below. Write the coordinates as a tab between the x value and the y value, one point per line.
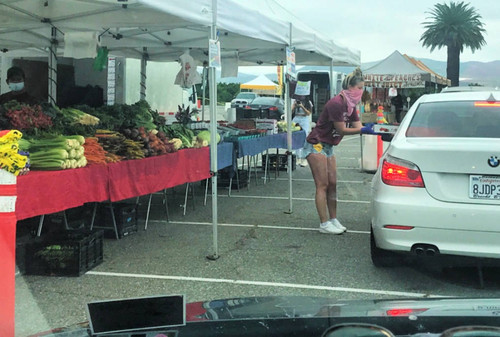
224	179
282	162
125	217
70	253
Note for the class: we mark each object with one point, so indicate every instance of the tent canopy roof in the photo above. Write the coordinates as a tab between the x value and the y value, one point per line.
259	83
403	71
393	64
165	28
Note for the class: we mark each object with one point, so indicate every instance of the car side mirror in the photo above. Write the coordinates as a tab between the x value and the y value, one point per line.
387	137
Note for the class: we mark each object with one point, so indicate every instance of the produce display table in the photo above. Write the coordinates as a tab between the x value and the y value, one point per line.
46	192
133	178
255	146
279	140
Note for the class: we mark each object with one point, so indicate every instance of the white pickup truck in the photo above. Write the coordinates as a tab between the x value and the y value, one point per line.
243	99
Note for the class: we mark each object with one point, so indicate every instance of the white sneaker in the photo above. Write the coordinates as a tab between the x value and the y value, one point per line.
303	162
337	224
330	228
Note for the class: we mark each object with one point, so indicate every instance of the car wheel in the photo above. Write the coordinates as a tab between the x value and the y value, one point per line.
382	258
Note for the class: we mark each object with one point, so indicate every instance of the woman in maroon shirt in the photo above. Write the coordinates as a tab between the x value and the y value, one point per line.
338	118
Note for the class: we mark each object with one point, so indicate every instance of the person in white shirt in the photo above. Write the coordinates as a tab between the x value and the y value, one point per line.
301	112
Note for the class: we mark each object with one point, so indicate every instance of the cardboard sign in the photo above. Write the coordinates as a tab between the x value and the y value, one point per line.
214	54
303	88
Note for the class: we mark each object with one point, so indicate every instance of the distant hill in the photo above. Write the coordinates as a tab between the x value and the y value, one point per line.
484	73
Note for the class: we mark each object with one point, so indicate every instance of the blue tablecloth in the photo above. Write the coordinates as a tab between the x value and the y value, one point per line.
279	141
224	155
255	146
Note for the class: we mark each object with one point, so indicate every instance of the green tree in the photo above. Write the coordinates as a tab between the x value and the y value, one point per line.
454	26
227	91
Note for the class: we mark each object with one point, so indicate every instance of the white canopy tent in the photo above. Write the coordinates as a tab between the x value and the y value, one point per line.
166	29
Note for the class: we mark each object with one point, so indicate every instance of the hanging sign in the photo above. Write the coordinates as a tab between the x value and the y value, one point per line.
214	54
290	62
303	88
393	92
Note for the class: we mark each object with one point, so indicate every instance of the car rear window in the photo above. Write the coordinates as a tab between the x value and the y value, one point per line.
265	100
456	119
246	96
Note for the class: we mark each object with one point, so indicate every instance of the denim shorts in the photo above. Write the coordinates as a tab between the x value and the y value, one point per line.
322	148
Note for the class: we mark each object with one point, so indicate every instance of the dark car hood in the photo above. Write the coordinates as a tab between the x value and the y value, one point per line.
280	307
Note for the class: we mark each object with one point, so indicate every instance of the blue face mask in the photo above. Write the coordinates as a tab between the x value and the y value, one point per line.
16	86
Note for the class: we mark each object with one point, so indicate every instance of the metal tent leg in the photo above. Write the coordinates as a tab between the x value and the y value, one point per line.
65	219
206	192
185	199
165	200
265	166
93	216
149	208
114	220
192	195
40	225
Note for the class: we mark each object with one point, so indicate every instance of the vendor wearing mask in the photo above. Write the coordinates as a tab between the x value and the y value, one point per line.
15	80
338	119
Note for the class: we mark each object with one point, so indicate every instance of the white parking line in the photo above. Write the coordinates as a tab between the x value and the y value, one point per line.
286	198
262	284
248	226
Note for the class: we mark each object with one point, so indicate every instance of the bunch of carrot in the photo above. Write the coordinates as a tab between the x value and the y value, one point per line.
94	152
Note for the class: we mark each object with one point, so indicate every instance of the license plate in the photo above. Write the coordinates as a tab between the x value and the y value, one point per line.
484	187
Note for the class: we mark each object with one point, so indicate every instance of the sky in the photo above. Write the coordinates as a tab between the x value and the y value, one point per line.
378	27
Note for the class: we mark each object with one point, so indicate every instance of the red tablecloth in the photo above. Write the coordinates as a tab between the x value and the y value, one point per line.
45	192
133	178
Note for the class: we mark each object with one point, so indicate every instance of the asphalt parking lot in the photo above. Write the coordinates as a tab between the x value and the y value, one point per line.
263	251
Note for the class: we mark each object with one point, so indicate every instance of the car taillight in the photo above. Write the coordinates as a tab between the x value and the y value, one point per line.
248	107
404	312
397	172
273	108
486	104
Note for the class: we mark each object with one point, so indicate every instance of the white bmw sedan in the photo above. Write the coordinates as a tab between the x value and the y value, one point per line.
437	189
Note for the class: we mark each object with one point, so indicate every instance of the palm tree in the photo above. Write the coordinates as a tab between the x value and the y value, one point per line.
453	26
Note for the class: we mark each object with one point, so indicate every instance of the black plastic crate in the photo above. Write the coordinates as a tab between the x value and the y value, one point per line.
70	253
240	182
125	217
282	162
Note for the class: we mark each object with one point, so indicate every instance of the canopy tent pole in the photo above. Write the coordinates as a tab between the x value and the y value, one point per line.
204	89
144	63
52	87
289	134
332	93
213	137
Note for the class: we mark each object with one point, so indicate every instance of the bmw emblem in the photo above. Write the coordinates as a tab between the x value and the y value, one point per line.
493	161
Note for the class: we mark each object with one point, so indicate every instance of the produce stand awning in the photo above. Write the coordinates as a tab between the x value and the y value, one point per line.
260	83
165	28
400	71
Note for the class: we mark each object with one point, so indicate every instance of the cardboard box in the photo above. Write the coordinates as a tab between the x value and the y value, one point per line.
271	125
